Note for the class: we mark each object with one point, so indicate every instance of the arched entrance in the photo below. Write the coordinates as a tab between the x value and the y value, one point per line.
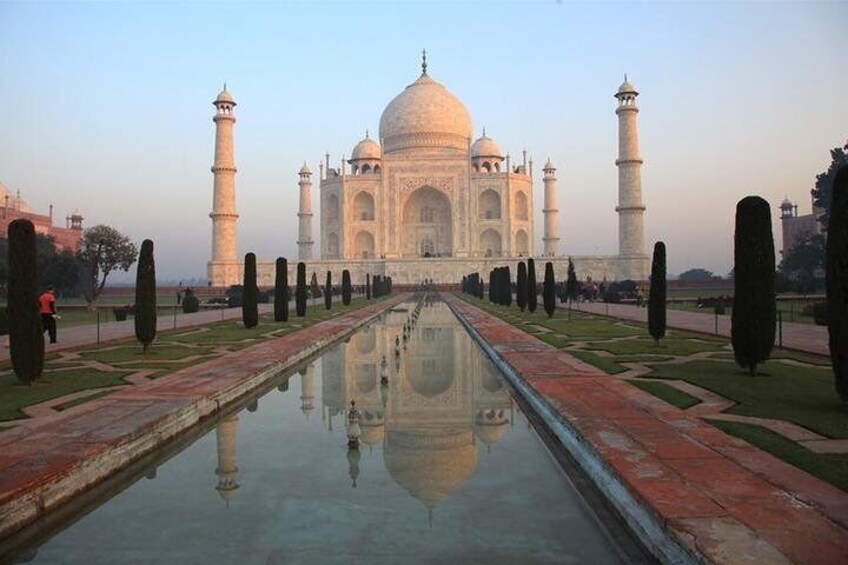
426	230
490	243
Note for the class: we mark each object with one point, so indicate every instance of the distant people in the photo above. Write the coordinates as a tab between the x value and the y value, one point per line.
47	306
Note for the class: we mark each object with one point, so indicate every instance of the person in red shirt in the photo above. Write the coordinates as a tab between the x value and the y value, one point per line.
47	305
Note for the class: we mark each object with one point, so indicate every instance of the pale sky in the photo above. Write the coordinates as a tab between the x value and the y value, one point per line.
106	108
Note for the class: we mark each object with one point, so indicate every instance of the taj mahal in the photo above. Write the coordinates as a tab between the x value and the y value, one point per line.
426	201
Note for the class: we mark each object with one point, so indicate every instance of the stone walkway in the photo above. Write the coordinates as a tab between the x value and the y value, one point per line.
720	498
800	337
46	460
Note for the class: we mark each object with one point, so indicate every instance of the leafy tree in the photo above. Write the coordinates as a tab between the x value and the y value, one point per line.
837	282
532	289
300	290
56	267
696	275
250	305
823	191
656	297
346	290
281	290
571	287
191	303
753	320
549	290
328	291
145	296
521	286
802	261
26	335
104	249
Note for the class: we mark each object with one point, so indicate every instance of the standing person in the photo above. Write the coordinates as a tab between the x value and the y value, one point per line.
47	305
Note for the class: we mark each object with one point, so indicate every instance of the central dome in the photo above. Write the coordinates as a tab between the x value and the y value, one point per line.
425	115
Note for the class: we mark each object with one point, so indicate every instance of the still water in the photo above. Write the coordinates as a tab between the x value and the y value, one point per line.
448	470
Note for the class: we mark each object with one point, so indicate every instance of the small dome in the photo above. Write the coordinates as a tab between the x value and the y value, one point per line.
786	203
485	147
626	87
225	96
304	170
425	114
366	149
549	166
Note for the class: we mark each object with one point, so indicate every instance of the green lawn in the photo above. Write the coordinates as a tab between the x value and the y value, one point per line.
679	346
830	467
668	393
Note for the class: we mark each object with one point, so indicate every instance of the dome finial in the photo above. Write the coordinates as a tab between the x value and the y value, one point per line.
366	134
225	86
423	61
625	77
484	131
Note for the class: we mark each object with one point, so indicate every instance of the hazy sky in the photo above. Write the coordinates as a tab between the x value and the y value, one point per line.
106	108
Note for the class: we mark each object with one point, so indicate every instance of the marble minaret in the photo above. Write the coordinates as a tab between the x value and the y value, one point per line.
224	266
304	216
631	210
551	211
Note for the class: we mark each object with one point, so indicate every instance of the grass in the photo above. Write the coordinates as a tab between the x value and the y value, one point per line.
667	347
803	395
14	396
133	353
668	393
830	467
605	364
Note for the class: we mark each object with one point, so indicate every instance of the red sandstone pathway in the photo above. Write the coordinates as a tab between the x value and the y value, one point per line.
801	337
730	501
45	461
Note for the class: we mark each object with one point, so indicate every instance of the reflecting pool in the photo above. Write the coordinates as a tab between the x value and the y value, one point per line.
447	470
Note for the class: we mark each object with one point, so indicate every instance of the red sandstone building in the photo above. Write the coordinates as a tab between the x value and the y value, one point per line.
12	207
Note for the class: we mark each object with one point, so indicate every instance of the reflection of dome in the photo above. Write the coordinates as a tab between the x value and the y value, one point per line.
485	147
430	466
490	379
366	378
425	114
490	433
366	149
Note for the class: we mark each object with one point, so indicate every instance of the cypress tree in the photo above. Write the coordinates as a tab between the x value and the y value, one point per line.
300	290
281	290
532	290
836	282
328	291
507	286
753	318
367	286
346	287
571	283
492	285
656	297
26	335
549	289
249	305
521	286
145	296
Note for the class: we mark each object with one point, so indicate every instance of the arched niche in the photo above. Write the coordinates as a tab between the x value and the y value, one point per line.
364	245
521	206
427	227
333	245
491	244
490	205
332	211
521	243
363	206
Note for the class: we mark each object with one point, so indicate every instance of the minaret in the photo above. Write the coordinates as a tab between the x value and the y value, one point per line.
631	211
304	216
550	211
224	267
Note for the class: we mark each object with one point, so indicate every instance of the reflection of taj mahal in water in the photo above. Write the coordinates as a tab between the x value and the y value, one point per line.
443	404
424	201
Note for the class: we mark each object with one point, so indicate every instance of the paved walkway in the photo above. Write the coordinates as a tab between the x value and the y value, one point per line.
46	460
719	497
800	337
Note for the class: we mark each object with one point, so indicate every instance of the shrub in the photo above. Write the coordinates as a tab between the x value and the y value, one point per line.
753	319
26	335
837	282
190	302
121	313
145	296
300	290
656	297
235	296
612	297
281	290
250	306
719	308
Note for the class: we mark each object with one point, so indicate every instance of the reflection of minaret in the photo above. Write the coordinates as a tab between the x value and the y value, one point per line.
353	456
227	470
307	390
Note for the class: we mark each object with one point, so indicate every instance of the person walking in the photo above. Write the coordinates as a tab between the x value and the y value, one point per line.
47	305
